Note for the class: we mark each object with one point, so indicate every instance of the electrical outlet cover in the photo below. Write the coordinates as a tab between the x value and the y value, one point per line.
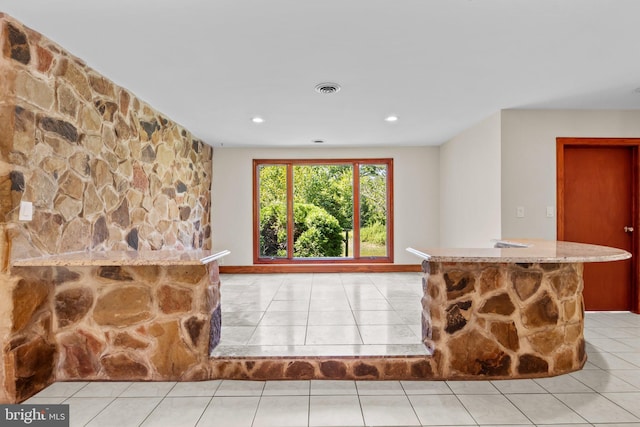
26	211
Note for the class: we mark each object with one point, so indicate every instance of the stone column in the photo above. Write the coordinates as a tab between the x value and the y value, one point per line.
214	307
29	351
492	320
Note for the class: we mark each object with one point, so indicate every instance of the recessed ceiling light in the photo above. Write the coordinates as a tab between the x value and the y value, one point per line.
257	120
391	118
327	88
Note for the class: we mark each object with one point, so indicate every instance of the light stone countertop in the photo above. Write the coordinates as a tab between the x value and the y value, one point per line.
115	258
528	251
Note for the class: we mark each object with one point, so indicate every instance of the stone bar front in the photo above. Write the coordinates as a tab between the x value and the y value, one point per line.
114	315
155	316
514	311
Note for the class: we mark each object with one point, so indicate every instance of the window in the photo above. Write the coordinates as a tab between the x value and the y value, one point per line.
323	210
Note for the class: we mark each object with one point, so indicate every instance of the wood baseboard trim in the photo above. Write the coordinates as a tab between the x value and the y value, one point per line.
320	268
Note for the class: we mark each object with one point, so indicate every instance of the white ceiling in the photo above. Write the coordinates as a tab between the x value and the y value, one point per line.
440	65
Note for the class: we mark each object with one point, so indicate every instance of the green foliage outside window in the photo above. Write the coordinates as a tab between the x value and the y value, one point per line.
316	232
323	208
273	230
327	186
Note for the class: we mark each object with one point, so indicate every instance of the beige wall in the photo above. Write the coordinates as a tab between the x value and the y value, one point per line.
463	193
416	189
470	186
529	160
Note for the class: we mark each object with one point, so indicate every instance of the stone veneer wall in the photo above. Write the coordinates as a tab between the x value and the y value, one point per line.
102	168
503	320
147	322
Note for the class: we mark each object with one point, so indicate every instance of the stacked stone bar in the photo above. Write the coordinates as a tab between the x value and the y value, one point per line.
503	320
133	322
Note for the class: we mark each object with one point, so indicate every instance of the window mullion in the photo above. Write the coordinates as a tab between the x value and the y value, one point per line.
290	216
356	210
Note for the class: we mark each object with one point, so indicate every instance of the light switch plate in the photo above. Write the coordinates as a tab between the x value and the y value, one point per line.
550	212
520	212
26	211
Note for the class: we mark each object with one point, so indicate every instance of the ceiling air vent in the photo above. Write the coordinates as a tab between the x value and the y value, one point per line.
327	88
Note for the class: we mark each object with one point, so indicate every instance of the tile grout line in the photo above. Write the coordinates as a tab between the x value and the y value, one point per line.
205	408
99	412
514	405
555	397
306	329
410	403
152	410
624	409
309	406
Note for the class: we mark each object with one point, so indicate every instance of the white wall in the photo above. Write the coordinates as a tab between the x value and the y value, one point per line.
529	160
470	186
416	195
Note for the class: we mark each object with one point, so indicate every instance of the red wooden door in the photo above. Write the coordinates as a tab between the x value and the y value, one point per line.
598	199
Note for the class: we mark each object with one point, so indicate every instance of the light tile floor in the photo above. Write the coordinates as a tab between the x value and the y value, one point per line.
605	393
321	314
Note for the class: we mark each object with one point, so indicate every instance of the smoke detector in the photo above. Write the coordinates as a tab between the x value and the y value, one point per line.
327	88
